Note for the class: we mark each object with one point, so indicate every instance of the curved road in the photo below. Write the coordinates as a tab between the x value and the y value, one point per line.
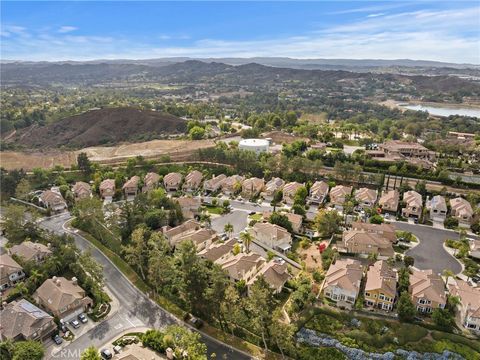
430	253
135	309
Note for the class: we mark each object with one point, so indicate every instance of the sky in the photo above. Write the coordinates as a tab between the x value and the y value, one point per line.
421	30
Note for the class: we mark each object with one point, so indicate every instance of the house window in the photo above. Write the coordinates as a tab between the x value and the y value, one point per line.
367	294
471	326
381	297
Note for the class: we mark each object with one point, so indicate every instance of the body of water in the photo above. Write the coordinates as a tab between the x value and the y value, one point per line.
444	111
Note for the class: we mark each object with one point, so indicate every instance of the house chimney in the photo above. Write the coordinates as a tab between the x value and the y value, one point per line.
74	280
169	353
58	282
49	245
54	279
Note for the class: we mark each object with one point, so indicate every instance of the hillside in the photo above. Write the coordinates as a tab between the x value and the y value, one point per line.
99	127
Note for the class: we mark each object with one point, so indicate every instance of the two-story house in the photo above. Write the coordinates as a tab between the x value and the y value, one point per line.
338	196
289	191
30	251
381	286
461	210
130	188
218	252
107	190
469	307
437	208
193	180
190	206
53	200
318	192
271	187
427	291
366	198
21	320
413	204
63	298
81	190
252	187
366	243
342	281
243	267
272	235
10	272
232	184
214	184
295	219
275	273
172	181
389	201
150	181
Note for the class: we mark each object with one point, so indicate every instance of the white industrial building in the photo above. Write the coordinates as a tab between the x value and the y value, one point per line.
256	145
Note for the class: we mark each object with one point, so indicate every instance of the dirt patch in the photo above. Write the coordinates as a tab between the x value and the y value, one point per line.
179	150
312	257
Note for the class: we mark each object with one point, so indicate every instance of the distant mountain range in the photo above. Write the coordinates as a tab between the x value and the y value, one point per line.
309	64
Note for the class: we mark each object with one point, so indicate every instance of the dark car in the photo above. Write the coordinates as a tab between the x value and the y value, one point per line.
106	354
57	339
476	278
196	322
83	318
252	212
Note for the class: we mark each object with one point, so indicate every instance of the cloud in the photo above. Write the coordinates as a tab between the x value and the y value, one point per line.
443	35
375	15
67	29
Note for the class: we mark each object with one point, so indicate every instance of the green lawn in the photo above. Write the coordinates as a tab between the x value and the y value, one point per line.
256	217
214	209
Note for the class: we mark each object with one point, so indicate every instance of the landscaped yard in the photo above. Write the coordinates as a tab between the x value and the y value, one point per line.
217	210
376	335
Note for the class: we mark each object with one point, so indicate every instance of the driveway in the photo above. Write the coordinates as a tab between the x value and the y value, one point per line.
135	308
238	218
430	253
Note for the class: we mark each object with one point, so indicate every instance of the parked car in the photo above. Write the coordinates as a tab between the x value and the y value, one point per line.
83	318
57	339
476	278
196	322
75	324
106	354
252	212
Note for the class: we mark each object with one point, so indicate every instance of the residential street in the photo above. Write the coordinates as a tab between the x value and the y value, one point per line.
430	253
135	309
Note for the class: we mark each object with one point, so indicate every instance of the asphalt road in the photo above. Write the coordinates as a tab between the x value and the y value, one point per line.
430	253
135	309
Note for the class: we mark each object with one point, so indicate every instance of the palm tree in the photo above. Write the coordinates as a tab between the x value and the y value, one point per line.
36	276
228	228
246	237
21	288
448	274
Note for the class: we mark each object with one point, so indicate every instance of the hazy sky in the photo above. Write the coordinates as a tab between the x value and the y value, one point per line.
428	30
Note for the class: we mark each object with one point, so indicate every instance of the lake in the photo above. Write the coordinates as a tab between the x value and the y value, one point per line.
444	110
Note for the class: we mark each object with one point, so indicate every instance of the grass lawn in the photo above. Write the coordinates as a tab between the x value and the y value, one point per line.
376	335
214	209
256	217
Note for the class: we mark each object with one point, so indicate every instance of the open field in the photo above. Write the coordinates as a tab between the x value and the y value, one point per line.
175	149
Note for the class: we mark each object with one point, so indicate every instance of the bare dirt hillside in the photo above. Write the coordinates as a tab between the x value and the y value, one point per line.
101	127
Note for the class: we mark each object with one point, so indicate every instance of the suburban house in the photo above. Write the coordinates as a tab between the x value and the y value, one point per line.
338	195
366	243
437	208
81	190
218	252
318	146
202	238
21	320
427	290
193	180
63	298
413	204
10	272
172	181
389	201
130	188
252	187
461	210
190	206
232	184
469	307
271	187
386	231
214	184
474	249
295	219
107	190
30	251
396	149
243	266
53	200
289	191
275	273
342	281
272	235
150	181
318	192
460	135
381	286
171	234
366	197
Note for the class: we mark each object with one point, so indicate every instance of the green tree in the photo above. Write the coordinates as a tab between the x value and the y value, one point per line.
84	164
7	349
408	261
90	353
300	196
443	318
327	222
228	228
136	253
153	339
180	339
403	280
376	219
31	350
23	189
196	133
406	309
260	306
281	220
282	334
246	237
